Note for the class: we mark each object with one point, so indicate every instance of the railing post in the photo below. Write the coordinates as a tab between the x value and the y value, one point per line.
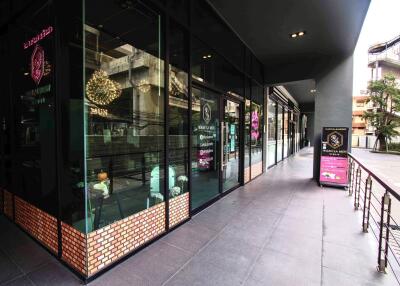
358	187
367	203
384	233
351	178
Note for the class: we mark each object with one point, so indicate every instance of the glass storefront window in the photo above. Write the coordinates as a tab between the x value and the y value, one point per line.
247	129
271	145
205	142
280	132
257	128
33	95
178	113
124	111
285	133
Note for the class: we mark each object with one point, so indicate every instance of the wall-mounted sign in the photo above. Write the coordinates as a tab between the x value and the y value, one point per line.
45	32
255	133
206	137
334	162
37	64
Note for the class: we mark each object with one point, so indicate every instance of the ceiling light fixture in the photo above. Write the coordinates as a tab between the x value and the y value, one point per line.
298	34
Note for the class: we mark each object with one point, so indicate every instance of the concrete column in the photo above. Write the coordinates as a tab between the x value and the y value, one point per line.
333	101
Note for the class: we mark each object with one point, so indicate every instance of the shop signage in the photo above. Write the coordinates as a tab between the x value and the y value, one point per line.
37	64
254	125
334	161
206	137
45	32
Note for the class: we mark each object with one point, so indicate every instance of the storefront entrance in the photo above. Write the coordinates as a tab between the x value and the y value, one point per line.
216	151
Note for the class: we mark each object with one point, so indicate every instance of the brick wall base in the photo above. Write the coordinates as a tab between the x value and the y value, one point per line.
247	174
114	241
8	204
178	209
256	170
74	248
37	223
1	201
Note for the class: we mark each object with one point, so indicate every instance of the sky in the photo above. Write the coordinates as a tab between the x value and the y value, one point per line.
381	24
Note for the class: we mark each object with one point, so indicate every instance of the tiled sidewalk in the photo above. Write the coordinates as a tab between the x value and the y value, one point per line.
281	229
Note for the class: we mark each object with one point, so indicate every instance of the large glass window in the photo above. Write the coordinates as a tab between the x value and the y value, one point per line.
280	132
271	145
211	68
247	129
205	142
124	108
33	107
178	113
257	128
285	133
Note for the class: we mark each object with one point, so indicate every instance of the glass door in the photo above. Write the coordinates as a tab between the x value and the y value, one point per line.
230	150
215	145
205	146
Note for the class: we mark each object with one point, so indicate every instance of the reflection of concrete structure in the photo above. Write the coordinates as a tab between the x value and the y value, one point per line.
383	59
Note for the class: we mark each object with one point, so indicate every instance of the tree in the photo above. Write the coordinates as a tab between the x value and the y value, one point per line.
385	117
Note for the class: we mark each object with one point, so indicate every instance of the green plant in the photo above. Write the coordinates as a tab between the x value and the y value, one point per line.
394	147
385	97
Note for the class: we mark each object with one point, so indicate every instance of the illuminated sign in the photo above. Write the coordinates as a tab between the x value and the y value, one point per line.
37	64
38	37
254	125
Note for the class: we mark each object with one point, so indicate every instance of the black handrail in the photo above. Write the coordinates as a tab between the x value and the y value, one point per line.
379	180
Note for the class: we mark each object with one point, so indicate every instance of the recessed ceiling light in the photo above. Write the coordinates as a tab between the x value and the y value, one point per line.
297	34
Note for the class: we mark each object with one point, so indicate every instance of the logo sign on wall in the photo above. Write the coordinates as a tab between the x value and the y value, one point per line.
334	162
37	64
206	137
255	134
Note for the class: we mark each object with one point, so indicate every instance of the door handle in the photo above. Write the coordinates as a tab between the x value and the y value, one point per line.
222	146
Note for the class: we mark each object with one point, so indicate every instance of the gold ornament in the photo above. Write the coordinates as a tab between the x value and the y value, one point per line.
101	90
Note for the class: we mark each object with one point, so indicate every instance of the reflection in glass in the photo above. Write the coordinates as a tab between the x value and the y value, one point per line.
257	128
285	133
280	132
247	140
205	138
271	132
178	114
230	132
124	108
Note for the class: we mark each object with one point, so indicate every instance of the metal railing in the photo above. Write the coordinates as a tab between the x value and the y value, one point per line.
380	205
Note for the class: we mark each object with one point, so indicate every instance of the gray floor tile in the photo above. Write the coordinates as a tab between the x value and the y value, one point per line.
277	268
54	274
190	237
22	281
197	273
8	269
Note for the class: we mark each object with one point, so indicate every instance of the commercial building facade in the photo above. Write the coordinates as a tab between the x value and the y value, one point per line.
121	119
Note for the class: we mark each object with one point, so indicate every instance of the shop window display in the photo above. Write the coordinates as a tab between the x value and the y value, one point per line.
257	128
271	133
124	110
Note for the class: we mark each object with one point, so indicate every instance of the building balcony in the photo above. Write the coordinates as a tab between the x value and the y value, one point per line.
281	229
358	125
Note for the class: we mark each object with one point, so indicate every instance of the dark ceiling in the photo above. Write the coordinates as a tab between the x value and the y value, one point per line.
301	90
332	26
332	29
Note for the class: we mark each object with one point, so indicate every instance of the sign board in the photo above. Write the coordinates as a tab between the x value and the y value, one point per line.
206	136
334	163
